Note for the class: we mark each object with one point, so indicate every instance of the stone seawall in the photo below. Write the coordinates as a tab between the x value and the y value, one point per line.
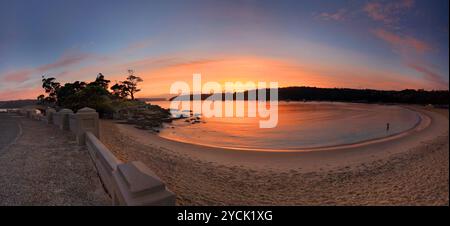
130	183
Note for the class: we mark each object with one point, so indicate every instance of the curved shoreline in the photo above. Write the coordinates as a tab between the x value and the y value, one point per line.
409	170
423	122
309	160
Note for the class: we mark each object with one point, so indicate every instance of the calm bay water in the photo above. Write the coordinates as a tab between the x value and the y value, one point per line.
301	125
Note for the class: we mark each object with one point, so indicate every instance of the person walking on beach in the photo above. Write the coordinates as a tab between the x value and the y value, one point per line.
387	126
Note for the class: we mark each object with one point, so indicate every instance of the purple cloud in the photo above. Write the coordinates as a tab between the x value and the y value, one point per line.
21	75
428	73
387	12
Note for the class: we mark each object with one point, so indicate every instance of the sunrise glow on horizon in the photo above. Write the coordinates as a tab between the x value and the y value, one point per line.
387	45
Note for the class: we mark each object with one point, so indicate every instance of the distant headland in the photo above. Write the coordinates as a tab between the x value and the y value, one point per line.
303	93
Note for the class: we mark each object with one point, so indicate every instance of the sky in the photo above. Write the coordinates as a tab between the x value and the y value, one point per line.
375	44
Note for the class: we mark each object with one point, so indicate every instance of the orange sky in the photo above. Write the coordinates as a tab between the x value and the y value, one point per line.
258	69
159	74
387	45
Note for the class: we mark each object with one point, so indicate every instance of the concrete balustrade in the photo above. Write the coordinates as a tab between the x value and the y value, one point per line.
28	113
86	121
73	123
49	113
60	118
130	183
31	114
105	162
34	114
57	119
137	185
64	118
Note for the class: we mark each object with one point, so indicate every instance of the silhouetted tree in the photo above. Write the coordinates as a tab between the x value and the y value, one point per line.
130	85
101	81
95	94
65	93
41	99
51	87
119	90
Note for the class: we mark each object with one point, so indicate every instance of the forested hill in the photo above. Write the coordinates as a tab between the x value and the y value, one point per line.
16	103
408	96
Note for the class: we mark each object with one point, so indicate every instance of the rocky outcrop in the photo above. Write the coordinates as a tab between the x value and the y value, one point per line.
148	117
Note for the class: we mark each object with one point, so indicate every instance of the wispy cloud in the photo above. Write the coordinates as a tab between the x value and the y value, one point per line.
403	43
428	72
339	15
18	75
22	93
411	50
136	46
64	61
21	75
389	12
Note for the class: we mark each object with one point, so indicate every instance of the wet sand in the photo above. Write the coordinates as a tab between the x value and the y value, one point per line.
411	169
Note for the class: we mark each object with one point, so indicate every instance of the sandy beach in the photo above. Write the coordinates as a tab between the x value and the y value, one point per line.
410	169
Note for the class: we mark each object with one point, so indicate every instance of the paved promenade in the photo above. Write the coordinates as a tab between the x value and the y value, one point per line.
9	130
42	165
